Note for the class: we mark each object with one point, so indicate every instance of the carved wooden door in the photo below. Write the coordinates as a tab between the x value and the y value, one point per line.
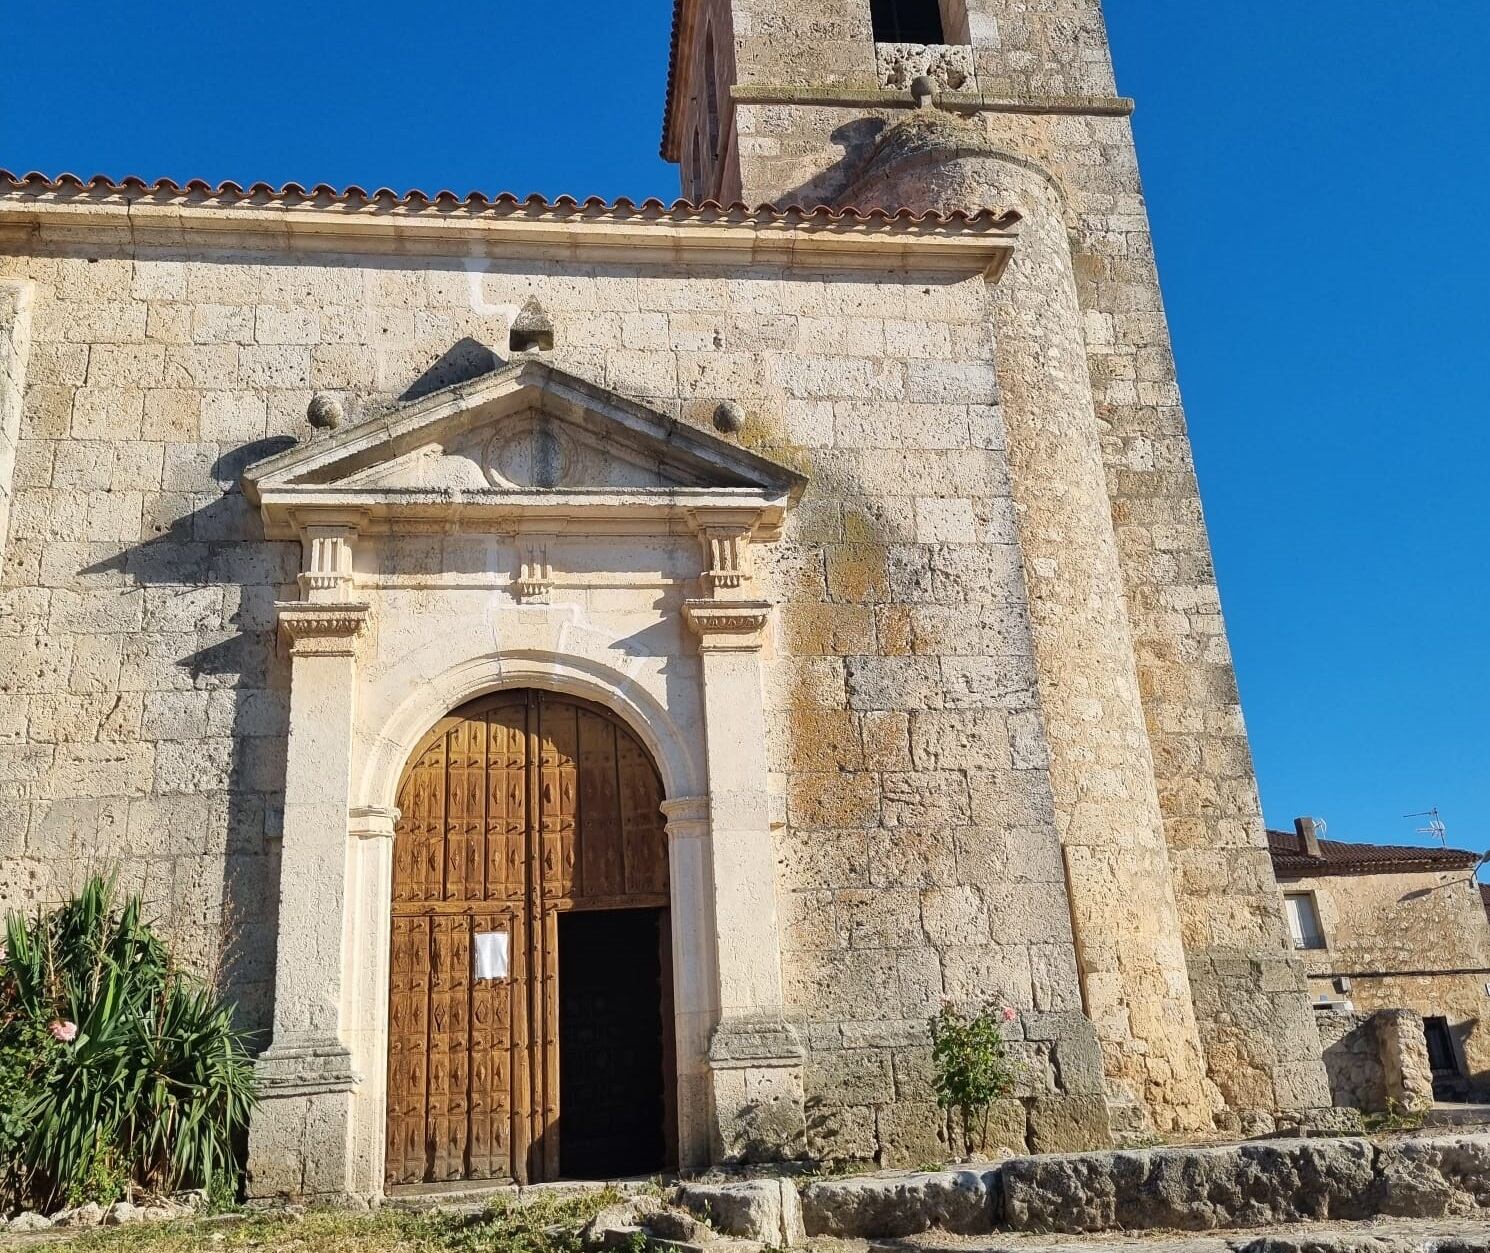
513	809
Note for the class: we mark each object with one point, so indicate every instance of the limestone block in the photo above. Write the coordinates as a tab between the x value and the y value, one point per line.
1064	1124
758	1114
887	683
222	324
962	1201
840	1133
1434	1177
768	1210
911	1134
1190	1189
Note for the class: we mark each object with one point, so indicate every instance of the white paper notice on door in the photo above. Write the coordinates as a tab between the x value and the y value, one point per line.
491	954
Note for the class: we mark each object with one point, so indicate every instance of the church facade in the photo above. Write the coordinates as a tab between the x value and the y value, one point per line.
594	678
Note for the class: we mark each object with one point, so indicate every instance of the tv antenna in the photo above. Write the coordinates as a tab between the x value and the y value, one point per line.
1435	826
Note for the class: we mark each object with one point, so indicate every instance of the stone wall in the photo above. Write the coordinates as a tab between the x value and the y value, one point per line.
1378	1061
806	134
1416	941
1107	812
143	700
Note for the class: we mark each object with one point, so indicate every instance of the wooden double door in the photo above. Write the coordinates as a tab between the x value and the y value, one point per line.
523	815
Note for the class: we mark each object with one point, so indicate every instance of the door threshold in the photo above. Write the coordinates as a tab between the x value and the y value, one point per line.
480	1193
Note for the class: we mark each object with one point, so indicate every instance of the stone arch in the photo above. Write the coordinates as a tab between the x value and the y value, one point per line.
429	700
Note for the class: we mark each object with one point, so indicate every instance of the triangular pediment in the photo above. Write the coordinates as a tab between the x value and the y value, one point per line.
526	428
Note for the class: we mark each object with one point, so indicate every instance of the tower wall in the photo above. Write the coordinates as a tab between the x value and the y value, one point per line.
1124	912
808	113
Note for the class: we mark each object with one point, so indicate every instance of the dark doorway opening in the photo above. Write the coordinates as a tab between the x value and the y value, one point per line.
614	1030
1448	1079
906	21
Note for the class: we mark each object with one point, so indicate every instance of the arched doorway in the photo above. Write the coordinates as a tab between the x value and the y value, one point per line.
530	1018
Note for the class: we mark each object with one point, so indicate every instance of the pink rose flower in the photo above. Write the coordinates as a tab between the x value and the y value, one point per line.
1009	1014
66	1032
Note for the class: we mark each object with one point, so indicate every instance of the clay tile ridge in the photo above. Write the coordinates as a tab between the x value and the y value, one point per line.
132	190
1340	857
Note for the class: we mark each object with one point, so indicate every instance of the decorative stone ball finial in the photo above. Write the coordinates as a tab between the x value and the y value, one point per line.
923	91
325	412
729	418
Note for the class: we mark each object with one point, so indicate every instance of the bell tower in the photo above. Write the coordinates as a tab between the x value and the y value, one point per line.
776	100
941	105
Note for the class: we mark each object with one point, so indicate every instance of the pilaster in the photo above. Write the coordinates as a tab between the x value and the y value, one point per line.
754	1057
299	1141
15	348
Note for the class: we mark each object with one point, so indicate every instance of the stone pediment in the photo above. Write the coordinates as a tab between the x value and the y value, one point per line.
524	447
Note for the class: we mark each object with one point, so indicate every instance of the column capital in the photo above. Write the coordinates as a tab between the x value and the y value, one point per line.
326	554
686	815
319	628
733	626
372	822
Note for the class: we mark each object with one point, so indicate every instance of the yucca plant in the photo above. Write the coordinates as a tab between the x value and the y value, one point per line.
128	1071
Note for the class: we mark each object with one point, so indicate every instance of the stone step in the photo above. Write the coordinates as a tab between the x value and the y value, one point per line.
1457	1115
1398	1235
1200	1189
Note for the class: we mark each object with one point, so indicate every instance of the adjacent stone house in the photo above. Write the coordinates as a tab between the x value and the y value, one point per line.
610	671
1390	927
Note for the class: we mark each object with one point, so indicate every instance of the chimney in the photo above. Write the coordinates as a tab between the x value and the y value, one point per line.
1308	838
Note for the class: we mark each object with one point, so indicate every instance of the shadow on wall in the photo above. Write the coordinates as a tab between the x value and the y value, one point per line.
857	139
216	707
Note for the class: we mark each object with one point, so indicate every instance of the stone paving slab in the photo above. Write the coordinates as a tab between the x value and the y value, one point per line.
1376	1236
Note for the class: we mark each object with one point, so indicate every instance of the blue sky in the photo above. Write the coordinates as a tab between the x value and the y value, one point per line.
1317	175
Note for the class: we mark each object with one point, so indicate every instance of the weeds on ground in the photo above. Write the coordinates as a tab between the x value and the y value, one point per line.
535	1225
1396	1118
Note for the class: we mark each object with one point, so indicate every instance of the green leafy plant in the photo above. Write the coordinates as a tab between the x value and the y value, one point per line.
971	1069
121	1070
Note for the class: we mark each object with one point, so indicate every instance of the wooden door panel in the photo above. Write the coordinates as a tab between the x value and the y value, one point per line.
512	809
644	836
602	869
558	754
507	803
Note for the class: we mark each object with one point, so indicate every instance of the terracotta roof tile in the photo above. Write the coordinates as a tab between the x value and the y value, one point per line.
1338	857
666	148
132	190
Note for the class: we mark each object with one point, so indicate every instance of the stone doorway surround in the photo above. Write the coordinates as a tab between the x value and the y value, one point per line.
438	567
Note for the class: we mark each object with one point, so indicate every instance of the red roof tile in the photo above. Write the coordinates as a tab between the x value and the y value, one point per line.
1338	857
666	147
132	190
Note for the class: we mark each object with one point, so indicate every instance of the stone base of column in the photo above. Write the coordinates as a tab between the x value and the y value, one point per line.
759	1104
299	1141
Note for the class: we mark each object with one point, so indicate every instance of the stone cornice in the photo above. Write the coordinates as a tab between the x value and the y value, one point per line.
672	511
729	626
808	239
323	629
849	97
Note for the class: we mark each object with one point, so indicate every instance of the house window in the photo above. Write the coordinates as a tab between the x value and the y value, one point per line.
1303	920
907	21
696	169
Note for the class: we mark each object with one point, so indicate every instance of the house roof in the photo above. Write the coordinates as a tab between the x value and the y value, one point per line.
1339	857
131	189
